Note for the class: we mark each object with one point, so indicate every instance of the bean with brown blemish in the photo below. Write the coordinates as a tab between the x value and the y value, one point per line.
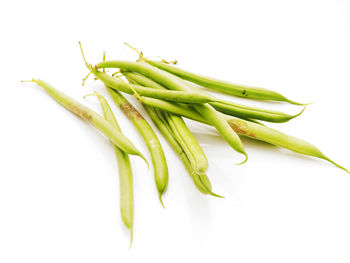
91	116
158	158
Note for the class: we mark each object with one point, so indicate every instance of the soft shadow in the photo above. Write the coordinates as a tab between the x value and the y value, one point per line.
199	210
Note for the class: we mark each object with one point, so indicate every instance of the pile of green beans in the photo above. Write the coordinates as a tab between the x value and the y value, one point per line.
170	94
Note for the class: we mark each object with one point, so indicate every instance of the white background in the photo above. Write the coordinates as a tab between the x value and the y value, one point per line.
59	191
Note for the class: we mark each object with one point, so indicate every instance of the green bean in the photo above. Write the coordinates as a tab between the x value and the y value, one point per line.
230	108
142	80
179	129
223	128
188	143
172	82
162	77
201	181
115	136
171	95
222	86
260	132
242	111
125	173
278	138
109	81
174	108
158	158
246	128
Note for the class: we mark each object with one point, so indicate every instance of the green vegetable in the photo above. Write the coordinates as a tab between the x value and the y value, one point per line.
201	181
172	82
115	136
222	86
158	158
125	173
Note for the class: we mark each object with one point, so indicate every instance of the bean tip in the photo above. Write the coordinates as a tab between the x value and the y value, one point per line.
301	112
216	195
143	157
160	198
297	103
131	238
244	161
334	163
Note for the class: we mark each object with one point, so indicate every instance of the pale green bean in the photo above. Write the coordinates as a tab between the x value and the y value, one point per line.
222	86
125	173
89	115
158	158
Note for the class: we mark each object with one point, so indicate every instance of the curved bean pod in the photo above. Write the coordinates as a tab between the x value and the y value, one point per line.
222	86
216	120
160	166
201	181
170	95
175	108
125	173
142	80
173	82
250	129
188	112
162	77
188	143
115	136
227	107
266	134
263	133
242	111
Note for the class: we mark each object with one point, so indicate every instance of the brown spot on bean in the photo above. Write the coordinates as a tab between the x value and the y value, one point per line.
239	126
130	111
252	135
81	111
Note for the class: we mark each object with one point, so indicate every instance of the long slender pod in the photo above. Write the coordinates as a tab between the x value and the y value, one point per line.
170	95
266	134
242	111
158	158
175	108
257	131
222	86
173	82
180	131
188	143
125	173
115	136
227	107
223	128
201	181
247	128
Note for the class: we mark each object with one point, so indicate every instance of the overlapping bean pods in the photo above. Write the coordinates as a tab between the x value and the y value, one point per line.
158	158
171	82
220	85
125	172
168	94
